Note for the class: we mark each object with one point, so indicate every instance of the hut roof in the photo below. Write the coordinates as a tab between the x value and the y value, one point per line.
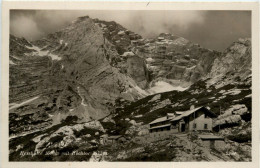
189	112
161	126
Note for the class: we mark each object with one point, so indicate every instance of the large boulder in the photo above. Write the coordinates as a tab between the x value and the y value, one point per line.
231	116
64	136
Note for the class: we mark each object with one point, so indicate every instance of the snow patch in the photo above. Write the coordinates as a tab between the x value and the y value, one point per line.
16	57
54	57
159	43
11	62
128	54
233	92
121	32
160	38
61	41
162	86
250	95
191	68
40	52
149	59
82	97
138	116
222	91
50	115
23	103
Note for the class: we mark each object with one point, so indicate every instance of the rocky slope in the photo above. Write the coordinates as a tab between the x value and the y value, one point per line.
76	68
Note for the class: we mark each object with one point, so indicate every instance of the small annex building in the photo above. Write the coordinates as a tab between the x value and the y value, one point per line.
212	141
161	127
161	124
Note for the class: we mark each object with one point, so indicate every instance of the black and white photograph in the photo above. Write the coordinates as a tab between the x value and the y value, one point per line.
130	85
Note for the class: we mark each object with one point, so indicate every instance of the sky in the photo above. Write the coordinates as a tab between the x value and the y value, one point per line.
215	30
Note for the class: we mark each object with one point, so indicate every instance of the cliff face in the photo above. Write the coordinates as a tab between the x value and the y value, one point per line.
27	73
233	64
176	59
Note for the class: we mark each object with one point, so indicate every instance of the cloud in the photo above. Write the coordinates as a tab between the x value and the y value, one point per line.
147	23
51	21
151	23
25	27
33	24
166	22
212	29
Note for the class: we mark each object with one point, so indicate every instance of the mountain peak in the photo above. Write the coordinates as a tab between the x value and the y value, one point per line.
81	19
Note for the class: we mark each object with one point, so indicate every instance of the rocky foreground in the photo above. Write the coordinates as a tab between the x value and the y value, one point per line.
84	141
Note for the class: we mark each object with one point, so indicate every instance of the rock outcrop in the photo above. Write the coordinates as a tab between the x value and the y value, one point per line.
136	68
234	64
231	116
64	136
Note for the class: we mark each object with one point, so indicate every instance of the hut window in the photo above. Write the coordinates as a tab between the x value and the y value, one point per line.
205	126
194	125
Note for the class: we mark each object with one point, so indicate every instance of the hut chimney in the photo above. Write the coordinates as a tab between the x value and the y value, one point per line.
192	107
